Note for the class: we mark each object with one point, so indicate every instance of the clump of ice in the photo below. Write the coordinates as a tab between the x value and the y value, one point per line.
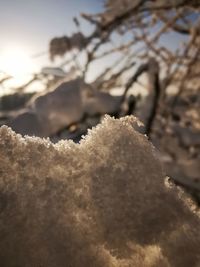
100	203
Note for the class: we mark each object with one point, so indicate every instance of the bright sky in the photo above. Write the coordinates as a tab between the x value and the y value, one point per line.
27	26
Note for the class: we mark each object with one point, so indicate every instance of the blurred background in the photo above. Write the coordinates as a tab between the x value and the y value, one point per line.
65	64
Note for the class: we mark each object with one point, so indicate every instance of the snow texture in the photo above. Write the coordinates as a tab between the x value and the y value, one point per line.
100	203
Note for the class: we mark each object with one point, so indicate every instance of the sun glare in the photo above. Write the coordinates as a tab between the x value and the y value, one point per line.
16	62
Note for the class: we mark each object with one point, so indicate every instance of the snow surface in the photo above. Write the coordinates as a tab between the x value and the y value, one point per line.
100	203
66	104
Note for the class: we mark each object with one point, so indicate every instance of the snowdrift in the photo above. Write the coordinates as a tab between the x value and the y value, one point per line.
66	104
100	203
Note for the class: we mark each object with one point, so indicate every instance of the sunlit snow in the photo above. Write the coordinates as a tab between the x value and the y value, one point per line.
100	203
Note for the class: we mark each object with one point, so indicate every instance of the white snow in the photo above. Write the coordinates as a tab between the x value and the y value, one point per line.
66	104
100	203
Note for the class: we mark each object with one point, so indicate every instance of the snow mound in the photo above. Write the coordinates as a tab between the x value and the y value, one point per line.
66	104
100	203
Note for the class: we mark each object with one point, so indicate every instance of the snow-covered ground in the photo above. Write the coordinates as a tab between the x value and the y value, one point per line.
99	203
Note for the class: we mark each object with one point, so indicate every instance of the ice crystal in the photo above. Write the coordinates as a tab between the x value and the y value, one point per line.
100	203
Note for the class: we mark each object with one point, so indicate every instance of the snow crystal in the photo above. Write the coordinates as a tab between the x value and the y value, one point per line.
100	203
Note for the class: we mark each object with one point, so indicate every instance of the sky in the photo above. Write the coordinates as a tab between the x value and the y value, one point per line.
31	24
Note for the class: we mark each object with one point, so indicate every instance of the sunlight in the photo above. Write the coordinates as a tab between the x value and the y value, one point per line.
16	62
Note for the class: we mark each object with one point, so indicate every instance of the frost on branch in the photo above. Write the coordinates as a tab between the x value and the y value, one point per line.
100	203
59	46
